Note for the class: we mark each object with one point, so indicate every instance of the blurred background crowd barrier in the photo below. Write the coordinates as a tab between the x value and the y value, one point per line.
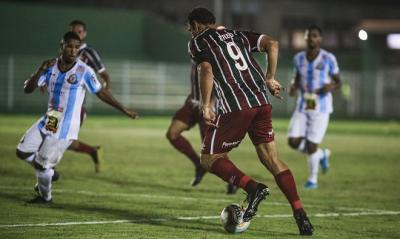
144	48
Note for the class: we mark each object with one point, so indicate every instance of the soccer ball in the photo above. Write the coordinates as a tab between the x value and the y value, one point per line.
232	219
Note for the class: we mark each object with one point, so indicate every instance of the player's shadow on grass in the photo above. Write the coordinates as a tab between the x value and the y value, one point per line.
136	217
129	183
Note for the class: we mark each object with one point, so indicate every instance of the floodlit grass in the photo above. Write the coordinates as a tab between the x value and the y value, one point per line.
145	183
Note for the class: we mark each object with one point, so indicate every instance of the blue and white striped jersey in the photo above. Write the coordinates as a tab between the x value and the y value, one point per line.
313	76
66	94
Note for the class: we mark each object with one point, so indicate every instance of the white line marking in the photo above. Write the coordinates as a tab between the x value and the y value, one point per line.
167	197
351	214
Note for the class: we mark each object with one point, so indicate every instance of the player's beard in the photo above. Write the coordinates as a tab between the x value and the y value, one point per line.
69	59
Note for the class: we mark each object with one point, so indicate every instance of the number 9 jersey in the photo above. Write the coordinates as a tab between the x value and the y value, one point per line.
238	80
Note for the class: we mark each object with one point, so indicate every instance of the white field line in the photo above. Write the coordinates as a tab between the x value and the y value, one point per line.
182	198
351	214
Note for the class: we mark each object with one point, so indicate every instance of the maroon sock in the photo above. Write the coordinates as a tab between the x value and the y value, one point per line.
287	185
183	146
84	148
227	171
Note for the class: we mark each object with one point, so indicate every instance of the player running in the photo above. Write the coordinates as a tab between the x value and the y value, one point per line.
91	58
67	79
226	63
184	119
316	76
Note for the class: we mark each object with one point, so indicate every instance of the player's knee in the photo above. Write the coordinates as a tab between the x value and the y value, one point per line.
206	161
22	155
293	143
172	135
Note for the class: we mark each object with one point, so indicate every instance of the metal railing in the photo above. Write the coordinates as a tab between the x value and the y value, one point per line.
162	87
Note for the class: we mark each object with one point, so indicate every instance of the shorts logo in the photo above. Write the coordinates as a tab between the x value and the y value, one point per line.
230	144
270	134
72	79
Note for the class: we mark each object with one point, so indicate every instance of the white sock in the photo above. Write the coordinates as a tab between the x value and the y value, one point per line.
313	164
44	182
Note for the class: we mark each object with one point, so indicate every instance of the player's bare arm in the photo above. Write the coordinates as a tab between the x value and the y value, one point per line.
106	78
271	48
108	98
206	86
336	84
31	84
294	85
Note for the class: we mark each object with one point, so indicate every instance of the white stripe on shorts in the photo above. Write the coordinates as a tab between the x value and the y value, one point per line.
213	137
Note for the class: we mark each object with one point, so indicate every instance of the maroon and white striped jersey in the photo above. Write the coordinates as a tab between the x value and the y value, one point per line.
238	79
91	58
195	93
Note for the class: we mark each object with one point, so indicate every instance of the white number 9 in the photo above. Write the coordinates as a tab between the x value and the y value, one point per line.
240	65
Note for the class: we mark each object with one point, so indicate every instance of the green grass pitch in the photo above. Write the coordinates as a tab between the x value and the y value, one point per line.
144	190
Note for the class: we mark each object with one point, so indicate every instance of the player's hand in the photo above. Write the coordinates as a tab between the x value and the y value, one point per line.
43	89
209	116
107	86
131	114
327	88
47	64
292	89
275	88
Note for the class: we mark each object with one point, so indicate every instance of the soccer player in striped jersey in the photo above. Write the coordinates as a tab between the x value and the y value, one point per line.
316	76
67	79
226	65
91	58
184	119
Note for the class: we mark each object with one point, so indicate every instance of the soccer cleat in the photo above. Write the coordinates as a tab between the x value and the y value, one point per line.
98	159
304	224
198	176
324	161
254	199
231	189
39	200
310	185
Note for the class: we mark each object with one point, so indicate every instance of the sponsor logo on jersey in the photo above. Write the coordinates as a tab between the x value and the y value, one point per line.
230	144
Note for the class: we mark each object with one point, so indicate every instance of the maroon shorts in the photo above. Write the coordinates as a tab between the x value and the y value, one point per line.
191	115
232	128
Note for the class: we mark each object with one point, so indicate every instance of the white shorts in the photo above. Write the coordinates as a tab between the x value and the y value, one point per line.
311	126
48	148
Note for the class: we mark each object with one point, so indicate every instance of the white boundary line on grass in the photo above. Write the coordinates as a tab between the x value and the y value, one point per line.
351	214
167	197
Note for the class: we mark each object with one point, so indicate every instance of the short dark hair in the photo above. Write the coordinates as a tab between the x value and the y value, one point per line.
201	15
77	22
314	27
70	36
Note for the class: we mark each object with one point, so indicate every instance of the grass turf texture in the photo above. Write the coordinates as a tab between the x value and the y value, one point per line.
146	183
